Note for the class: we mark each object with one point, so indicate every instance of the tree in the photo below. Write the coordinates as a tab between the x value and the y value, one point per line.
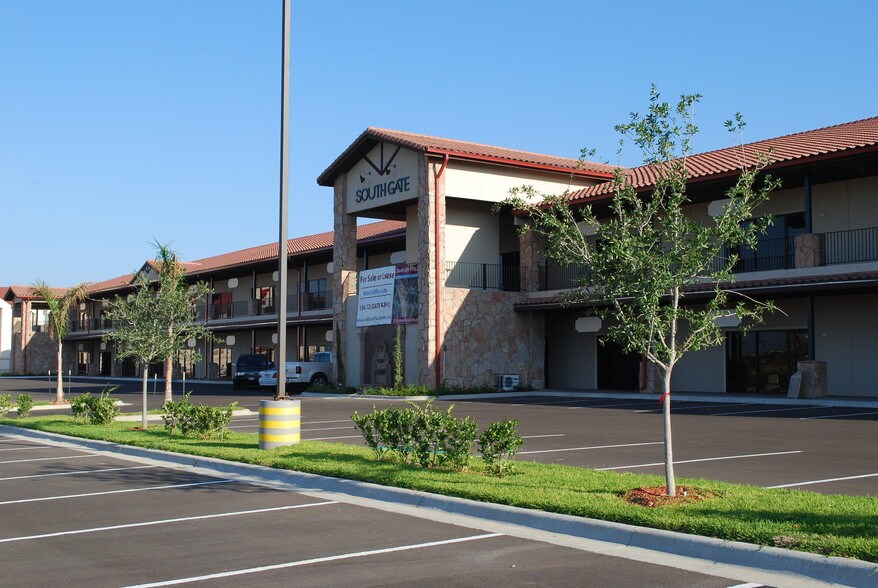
154	322
178	294
648	256
60	308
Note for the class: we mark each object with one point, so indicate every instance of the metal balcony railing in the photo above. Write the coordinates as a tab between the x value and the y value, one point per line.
483	275
561	277
769	254
850	246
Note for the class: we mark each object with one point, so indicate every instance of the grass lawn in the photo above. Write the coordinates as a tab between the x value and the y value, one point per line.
845	526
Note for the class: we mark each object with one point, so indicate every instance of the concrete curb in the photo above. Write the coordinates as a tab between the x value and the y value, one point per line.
835	570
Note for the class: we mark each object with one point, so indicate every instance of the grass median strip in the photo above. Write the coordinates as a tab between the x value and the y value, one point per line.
794	519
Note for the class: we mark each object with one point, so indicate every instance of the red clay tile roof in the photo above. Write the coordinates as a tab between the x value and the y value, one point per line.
28	292
297	246
820	143
453	147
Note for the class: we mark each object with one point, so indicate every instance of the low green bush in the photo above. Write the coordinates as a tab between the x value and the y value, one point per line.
407	390
25	402
419	434
198	420
498	444
97	410
5	404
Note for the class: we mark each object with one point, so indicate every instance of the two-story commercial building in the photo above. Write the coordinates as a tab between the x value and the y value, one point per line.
488	300
474	302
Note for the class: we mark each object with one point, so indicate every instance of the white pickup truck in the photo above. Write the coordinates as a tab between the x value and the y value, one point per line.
303	373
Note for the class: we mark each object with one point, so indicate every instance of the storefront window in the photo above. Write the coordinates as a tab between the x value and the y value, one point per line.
761	362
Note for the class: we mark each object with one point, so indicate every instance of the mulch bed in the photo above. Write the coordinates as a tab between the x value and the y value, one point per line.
657	496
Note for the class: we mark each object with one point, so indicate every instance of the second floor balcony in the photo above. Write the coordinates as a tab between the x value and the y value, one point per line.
310	302
808	250
483	276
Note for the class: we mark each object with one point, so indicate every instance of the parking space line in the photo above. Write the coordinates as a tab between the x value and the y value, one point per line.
128	490
683	407
50	458
327	428
541	436
661	463
77	472
316	560
824	481
836	416
164	522
326	422
31	448
791	408
591	447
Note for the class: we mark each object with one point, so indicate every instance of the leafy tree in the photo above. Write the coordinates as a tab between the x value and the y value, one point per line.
648	255
60	308
154	322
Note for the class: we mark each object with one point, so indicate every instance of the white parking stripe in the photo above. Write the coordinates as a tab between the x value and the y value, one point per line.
327	428
679	407
541	436
590	447
325	422
661	463
837	416
163	522
78	472
32	447
23	500
824	481
316	560
791	408
747	585
48	458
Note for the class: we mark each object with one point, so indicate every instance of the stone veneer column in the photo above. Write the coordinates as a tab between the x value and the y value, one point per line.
427	197
809	250
532	246
344	275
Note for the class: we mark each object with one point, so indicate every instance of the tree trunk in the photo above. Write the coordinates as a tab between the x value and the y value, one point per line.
670	480
143	424
59	391
169	376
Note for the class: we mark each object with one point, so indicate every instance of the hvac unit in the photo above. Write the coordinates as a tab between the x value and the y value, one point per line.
508	382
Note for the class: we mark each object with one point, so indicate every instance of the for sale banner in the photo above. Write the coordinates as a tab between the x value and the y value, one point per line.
388	295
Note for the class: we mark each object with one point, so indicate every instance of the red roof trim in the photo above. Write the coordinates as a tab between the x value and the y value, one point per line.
539	166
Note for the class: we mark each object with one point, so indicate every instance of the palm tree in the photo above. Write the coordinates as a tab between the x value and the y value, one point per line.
59	319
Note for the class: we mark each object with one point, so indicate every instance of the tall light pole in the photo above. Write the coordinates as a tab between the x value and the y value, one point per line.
281	393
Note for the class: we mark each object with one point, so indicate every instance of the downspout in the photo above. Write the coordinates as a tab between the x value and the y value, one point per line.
436	234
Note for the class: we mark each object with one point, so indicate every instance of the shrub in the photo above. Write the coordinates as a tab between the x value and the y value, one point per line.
79	406
498	445
199	420
419	434
97	410
25	403
5	404
407	390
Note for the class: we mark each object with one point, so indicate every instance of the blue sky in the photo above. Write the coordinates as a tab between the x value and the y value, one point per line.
125	121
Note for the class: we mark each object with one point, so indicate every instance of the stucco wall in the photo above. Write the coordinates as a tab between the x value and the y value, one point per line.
845	328
470	181
472	233
572	355
850	204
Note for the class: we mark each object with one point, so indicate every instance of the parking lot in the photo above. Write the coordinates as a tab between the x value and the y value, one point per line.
75	517
817	448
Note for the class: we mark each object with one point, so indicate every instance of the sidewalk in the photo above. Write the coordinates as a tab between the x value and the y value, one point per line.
768	565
